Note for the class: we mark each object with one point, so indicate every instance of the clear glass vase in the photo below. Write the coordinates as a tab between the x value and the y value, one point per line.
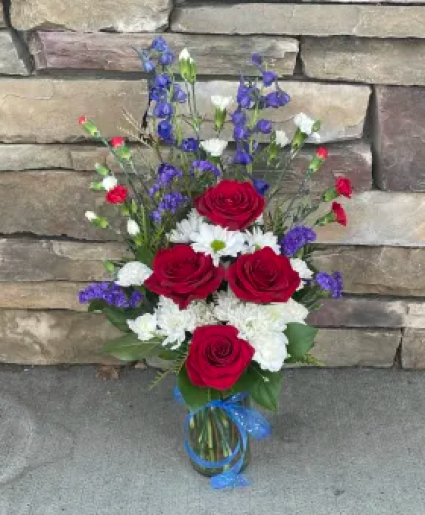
213	437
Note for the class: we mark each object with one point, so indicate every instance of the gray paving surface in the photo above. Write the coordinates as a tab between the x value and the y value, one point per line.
345	442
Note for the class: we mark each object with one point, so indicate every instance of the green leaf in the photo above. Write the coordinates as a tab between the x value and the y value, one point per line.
168	354
194	396
145	256
300	339
97	306
263	386
119	316
130	348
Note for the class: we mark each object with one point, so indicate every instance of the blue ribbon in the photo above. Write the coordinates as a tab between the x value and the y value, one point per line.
248	422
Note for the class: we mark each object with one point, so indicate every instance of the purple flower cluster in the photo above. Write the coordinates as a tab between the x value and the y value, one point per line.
111	293
204	167
166	175
295	239
332	283
170	202
158	48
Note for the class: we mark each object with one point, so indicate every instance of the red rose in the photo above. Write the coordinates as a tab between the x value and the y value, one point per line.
183	275
82	120
217	357
263	277
118	141
117	195
343	186
231	204
339	213
322	153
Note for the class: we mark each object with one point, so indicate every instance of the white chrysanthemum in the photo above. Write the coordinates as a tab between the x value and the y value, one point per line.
281	138
133	274
217	242
304	123
184	228
203	312
257	239
173	322
220	102
133	228
144	326
185	55
225	304
109	183
301	267
253	320
270	350
287	312
90	215
215	147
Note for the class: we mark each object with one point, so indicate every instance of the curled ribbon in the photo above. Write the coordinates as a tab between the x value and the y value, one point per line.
248	422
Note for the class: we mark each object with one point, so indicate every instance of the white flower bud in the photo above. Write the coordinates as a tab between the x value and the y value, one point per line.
90	215
185	56
215	147
220	102
109	183
132	228
304	123
281	138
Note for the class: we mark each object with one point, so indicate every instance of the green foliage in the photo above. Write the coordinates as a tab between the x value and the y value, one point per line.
308	359
145	255
300	339
130	348
263	386
194	396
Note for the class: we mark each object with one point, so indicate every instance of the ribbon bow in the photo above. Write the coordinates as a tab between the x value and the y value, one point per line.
247	421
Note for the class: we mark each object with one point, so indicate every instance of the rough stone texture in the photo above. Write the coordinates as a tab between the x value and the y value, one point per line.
11	63
214	55
413	348
368	313
41	295
26	259
380	218
376	270
376	61
44	110
400	148
48	337
302	19
47	110
2	19
57	201
127	16
356	347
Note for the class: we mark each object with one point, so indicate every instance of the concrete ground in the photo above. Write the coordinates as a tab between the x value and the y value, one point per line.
346	442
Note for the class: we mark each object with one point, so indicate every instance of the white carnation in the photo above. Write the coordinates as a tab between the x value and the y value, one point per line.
215	147
281	138
220	102
257	239
90	215
173	322
304	272
133	274
203	312
304	123
184	228
185	55
144	326
109	183
225	304
287	312
133	228
253	320
270	350
217	242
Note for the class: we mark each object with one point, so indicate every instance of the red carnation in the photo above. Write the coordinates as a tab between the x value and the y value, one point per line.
339	213
217	357
322	153
117	195
343	187
263	277
183	275
231	204
82	120
118	141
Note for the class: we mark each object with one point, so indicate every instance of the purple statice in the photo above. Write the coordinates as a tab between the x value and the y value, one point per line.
170	202
204	167
111	293
167	173
331	283
295	239
189	145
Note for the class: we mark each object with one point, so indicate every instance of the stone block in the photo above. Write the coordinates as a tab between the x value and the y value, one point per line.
11	61
413	348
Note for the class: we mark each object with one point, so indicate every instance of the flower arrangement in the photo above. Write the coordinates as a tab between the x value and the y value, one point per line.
221	279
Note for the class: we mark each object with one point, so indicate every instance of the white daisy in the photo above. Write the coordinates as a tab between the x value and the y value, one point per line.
303	271
173	322
217	242
215	147
184	228
304	123
257	239
133	273
144	326
270	350
133	228
109	183
220	102
281	138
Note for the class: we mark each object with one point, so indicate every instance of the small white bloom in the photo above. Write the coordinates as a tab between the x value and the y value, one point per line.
217	242
90	215
133	273
281	138
270	350
203	313
184	228
304	123
144	326
220	102
257	239
185	55
303	271
287	312
253	320
109	183
173	322
225	305
315	137
215	147
133	228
